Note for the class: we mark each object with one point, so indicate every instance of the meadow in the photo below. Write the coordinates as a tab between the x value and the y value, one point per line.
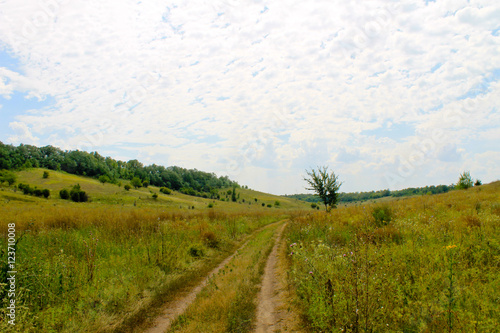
108	264
425	264
430	263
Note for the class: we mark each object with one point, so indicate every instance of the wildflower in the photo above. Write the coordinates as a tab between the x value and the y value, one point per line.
449	247
310	272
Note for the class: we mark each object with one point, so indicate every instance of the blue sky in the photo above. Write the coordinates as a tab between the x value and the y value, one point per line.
387	94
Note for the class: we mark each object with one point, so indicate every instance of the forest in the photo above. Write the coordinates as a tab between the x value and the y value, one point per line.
108	169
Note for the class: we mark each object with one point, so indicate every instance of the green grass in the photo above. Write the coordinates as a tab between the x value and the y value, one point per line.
227	303
91	267
434	266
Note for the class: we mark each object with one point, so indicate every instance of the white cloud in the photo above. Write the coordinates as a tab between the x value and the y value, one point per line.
163	76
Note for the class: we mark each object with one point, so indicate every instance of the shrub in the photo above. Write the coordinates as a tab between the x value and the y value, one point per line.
210	205
145	183
269	205
127	187
195	251
64	194
77	195
37	192
155	196
46	193
165	190
478	183
313	205
276	203
136	182
263	204
104	179
382	215
45	174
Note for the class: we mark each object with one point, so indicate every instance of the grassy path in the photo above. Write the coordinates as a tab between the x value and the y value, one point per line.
180	302
275	310
227	302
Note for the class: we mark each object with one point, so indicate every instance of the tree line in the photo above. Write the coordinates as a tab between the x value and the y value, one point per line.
108	169
365	196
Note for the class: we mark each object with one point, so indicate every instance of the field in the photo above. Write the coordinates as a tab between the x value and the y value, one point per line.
426	264
115	264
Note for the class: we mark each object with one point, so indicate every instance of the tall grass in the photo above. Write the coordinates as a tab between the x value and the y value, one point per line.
433	266
91	268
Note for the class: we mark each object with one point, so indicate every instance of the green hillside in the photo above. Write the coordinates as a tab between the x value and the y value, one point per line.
113	194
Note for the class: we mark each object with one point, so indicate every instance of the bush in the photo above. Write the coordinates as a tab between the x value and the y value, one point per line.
195	251
210	205
145	183
37	192
382	215
45	174
64	194
46	193
269	205
7	176
104	179
77	195
155	196
276	203
478	183
165	190
263	204
127	187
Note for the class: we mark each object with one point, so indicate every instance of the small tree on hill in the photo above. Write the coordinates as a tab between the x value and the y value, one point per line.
465	181
45	174
104	179
325	185
136	182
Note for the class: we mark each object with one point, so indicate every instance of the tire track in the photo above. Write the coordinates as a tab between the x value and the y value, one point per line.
274	313
177	307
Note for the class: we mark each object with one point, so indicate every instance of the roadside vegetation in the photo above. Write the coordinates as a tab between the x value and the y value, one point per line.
423	264
84	269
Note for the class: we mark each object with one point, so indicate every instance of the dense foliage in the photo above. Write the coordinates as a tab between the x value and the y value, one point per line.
96	166
365	196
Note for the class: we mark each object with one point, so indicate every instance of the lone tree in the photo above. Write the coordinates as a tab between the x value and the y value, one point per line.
465	181
324	184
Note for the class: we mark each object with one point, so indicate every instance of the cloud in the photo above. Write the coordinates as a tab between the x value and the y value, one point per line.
161	78
23	134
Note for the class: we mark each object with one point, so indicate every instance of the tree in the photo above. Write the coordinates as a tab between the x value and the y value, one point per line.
233	194
324	184
45	174
8	176
127	187
136	182
104	179
478	183
465	181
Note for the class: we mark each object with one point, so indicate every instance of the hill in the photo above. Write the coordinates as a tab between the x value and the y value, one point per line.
116	194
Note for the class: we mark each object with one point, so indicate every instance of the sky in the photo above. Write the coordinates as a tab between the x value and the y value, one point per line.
387	94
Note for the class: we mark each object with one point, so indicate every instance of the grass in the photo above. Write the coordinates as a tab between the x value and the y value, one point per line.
425	264
227	304
89	267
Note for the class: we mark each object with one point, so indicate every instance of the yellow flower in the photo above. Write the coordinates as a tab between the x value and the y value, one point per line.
450	247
